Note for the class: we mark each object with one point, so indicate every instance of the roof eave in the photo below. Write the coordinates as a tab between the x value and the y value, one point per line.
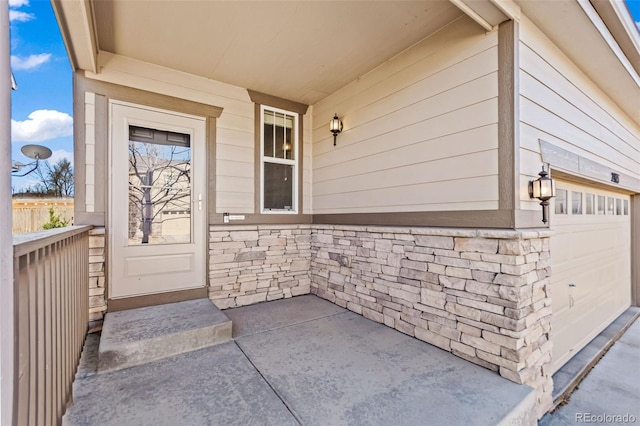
76	21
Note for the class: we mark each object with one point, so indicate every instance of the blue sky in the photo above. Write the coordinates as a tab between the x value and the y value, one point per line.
634	8
43	105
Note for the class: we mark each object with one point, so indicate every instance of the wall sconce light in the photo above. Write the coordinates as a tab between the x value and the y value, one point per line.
543	188
335	125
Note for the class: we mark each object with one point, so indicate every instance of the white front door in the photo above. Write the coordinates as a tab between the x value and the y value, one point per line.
157	201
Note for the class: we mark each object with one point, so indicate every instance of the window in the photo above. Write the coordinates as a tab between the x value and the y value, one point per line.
279	160
611	206
561	201
618	206
626	207
601	204
576	202
590	200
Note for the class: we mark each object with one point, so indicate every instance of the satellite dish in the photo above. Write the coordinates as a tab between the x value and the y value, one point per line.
37	152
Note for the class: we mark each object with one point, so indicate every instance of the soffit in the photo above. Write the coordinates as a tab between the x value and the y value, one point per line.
569	26
298	50
618	20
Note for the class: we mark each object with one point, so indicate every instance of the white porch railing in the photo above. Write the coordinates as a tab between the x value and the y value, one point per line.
51	270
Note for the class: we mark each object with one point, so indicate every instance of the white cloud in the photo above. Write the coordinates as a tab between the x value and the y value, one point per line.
18	15
59	154
18	3
30	62
42	125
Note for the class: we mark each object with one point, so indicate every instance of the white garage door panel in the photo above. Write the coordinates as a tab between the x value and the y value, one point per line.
591	279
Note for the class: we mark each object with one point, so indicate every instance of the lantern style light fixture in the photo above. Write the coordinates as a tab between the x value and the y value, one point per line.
335	125
543	188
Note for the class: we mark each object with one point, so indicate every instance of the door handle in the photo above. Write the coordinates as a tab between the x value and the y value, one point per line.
572	301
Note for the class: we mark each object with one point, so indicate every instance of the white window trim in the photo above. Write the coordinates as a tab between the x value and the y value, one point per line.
294	162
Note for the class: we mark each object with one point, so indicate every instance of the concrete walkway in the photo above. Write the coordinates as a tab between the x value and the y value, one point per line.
304	361
610	393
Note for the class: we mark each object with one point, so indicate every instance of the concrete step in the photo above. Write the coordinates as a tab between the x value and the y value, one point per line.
138	336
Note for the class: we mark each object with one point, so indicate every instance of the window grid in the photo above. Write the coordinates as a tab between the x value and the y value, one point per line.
270	160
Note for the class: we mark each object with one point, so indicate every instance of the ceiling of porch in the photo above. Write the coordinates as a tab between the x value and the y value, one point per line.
302	50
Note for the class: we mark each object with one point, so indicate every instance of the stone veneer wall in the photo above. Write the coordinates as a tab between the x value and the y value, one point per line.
482	295
250	264
97	278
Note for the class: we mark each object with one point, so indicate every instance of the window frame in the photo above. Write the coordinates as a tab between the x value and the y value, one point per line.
295	162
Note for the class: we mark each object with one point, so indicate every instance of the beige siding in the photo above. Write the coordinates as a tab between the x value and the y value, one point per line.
561	105
420	131
307	163
89	147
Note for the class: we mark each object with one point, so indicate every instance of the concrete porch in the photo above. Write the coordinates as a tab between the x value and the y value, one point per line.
300	361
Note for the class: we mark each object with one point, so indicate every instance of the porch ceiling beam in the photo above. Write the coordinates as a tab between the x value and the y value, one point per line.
509	8
473	14
78	32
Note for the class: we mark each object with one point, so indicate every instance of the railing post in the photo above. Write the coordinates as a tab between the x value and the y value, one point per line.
7	349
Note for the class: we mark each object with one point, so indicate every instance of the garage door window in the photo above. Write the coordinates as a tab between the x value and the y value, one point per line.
601	204
561	201
611	207
589	200
576	202
626	207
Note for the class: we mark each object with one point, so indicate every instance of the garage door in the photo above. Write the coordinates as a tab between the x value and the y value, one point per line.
591	272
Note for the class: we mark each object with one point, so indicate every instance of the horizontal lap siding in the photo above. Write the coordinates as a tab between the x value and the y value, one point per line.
420	131
307	165
235	167
561	105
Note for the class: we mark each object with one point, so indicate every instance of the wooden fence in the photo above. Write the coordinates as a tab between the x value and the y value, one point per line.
51	270
29	214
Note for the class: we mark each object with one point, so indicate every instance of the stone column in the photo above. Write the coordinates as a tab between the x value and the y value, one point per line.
97	278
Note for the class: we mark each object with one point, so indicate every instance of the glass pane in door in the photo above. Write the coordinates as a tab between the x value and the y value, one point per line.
159	187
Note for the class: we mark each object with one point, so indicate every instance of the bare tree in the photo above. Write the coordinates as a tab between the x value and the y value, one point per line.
159	180
56	180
